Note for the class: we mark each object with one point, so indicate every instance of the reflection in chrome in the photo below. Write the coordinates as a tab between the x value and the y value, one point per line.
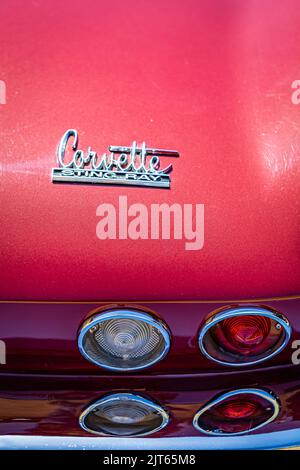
124	415
268	396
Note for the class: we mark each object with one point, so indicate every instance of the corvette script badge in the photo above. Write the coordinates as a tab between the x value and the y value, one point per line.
135	165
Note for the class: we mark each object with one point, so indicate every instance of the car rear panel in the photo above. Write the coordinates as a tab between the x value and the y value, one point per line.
210	79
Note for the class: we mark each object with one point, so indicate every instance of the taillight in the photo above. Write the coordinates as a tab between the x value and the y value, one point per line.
244	335
123	340
237	412
124	414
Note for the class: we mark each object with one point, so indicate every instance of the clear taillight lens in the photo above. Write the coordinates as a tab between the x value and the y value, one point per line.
124	340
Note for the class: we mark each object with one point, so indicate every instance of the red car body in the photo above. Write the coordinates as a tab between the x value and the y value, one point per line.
211	79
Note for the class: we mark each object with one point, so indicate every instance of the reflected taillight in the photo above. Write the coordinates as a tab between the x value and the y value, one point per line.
124	414
237	412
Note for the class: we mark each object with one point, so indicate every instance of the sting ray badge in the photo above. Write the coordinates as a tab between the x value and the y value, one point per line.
131	166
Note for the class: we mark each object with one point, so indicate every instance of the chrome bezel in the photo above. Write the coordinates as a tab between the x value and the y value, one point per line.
268	396
241	311
127	396
131	314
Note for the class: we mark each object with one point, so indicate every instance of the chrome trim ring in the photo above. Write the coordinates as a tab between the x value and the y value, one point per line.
241	311
268	396
119	397
126	314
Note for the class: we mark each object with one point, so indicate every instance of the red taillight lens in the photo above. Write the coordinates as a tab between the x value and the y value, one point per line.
246	331
244	335
237	412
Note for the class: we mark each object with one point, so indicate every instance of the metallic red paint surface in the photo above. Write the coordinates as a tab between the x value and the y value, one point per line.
211	79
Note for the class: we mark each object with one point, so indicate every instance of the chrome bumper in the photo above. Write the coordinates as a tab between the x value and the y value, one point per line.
273	440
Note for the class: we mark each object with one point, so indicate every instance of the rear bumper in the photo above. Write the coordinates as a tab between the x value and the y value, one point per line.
275	440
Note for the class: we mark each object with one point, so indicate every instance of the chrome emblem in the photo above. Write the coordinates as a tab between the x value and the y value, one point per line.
123	166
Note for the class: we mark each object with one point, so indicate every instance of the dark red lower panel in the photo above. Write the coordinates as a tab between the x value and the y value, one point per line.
51	405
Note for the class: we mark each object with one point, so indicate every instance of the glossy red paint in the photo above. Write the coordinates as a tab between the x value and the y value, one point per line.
211	79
